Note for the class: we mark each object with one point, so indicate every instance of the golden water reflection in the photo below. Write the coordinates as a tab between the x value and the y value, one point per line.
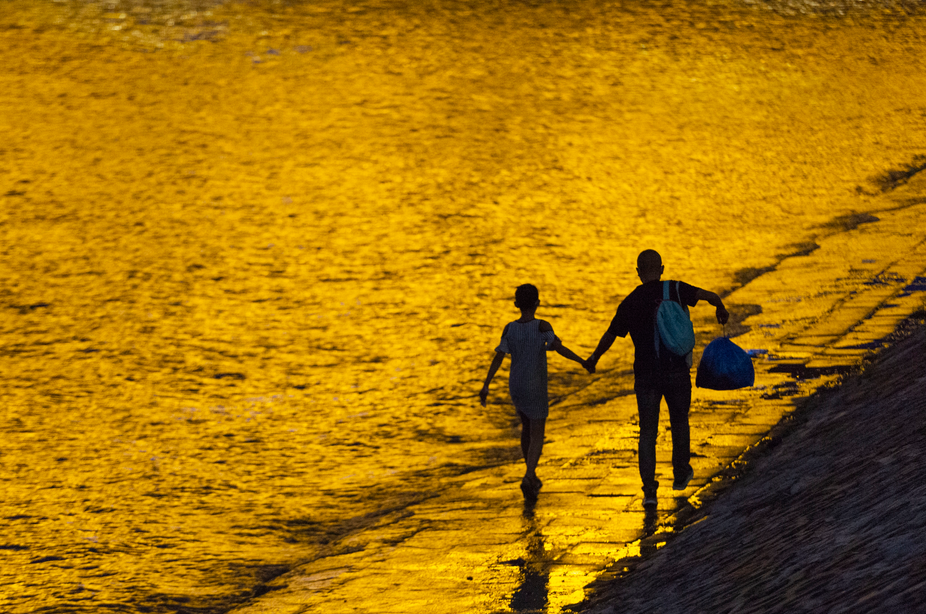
255	256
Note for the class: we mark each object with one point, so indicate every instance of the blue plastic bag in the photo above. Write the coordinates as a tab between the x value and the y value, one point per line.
725	366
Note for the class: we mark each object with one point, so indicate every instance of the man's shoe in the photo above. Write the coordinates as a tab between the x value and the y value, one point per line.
649	499
683	484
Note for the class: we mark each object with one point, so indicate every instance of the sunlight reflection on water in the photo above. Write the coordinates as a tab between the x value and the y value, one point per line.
251	284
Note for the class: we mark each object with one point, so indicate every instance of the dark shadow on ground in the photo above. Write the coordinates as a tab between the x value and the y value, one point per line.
532	593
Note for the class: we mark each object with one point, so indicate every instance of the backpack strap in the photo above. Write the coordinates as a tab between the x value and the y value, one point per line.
666	294
678	297
665	297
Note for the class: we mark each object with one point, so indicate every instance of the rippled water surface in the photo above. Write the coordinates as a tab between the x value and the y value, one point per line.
255	255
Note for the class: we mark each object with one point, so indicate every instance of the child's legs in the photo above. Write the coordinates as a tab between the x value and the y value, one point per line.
525	434
537	428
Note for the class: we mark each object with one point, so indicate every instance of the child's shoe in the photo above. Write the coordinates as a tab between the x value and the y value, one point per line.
530	486
527	487
537	483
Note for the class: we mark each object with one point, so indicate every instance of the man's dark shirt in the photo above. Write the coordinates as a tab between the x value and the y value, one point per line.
636	315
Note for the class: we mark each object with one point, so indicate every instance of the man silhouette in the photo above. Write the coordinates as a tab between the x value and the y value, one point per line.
657	375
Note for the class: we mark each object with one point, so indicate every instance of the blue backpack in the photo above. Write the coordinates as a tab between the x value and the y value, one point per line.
673	325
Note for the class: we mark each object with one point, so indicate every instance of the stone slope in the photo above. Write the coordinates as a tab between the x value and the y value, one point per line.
833	519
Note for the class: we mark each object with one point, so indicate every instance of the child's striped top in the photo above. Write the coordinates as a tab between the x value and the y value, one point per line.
527	381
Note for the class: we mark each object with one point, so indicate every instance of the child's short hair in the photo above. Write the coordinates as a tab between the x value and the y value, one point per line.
526	296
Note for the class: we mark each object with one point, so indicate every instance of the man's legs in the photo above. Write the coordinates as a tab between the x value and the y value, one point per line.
648	400
677	390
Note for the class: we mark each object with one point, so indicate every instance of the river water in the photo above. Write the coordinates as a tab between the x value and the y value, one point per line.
256	255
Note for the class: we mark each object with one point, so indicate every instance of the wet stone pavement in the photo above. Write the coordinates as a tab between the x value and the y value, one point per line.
476	546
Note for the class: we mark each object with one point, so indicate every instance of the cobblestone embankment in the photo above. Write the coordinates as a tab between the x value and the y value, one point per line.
832	519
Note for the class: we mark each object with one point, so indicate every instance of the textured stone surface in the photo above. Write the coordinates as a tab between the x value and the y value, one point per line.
832	519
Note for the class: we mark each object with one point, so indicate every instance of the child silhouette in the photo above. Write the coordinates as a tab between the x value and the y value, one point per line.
528	340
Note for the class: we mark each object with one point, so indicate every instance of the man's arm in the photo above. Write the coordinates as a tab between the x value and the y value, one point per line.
722	314
607	340
493	368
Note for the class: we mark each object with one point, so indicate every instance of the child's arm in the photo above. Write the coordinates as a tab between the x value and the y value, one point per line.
565	352
493	368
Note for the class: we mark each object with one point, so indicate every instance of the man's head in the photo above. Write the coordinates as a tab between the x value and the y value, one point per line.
649	265
526	297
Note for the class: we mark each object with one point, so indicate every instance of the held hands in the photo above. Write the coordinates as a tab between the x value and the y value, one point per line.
590	363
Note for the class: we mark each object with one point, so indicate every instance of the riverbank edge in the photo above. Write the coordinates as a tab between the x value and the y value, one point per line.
605	594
